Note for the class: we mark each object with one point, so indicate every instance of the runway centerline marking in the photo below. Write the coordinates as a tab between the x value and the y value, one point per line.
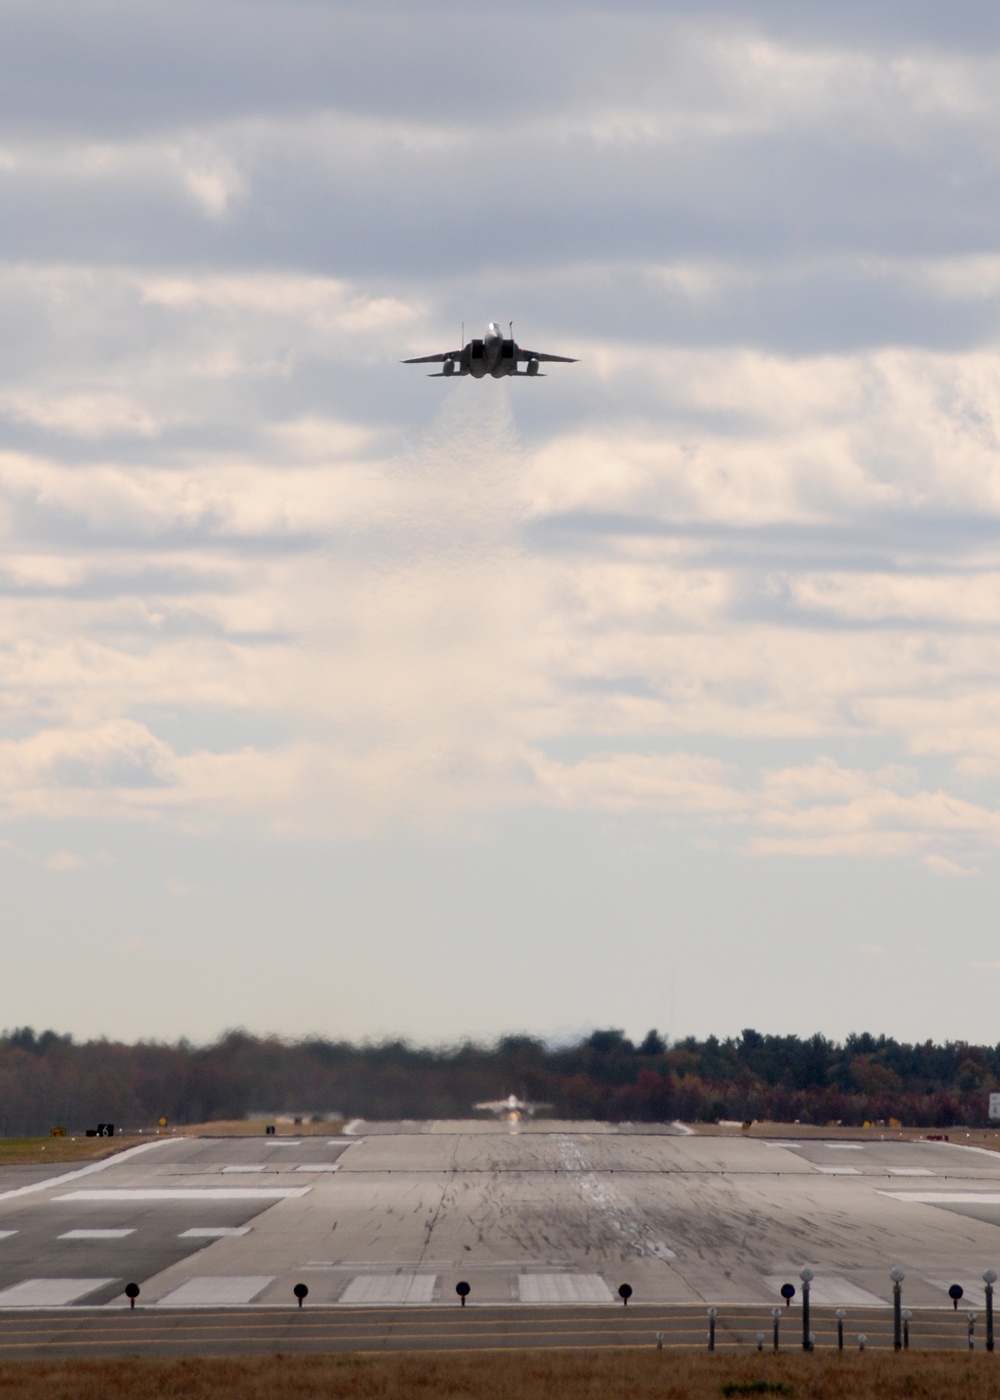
213	1232
118	1234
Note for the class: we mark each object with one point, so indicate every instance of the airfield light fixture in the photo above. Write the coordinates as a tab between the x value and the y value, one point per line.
907	1315
712	1315
776	1314
760	1341
862	1341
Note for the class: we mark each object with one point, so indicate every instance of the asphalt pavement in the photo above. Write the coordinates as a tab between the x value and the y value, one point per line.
544	1221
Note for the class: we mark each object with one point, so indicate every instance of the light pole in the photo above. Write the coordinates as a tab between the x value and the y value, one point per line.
972	1331
776	1314
712	1315
906	1328
989	1278
841	1314
806	1275
897	1277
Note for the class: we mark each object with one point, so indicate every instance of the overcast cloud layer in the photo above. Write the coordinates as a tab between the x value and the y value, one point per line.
664	691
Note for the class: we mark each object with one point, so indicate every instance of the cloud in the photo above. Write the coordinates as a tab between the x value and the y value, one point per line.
738	568
941	865
65	860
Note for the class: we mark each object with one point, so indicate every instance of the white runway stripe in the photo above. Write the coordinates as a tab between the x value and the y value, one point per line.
211	1291
318	1167
190	1193
945	1198
562	1288
96	1234
911	1171
837	1171
83	1171
390	1288
829	1290
6	1234
213	1232
256	1167
50	1292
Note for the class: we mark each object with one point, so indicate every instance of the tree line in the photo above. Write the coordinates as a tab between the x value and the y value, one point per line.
50	1079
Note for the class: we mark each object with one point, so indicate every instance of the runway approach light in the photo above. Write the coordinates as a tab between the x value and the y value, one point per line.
301	1292
788	1293
955	1293
463	1290
625	1293
131	1293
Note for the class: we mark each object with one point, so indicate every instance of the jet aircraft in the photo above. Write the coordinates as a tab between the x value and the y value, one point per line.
512	1108
494	355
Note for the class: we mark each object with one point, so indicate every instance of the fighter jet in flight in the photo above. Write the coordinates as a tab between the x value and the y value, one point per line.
512	1108
494	355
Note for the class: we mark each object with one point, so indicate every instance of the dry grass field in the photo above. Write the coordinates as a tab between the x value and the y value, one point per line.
535	1375
30	1152
40	1151
964	1137
254	1127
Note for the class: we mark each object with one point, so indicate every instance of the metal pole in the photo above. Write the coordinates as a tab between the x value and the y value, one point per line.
711	1329
897	1277
990	1278
806	1276
972	1331
776	1314
841	1314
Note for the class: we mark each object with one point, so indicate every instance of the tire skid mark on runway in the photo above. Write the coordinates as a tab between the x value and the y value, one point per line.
610	1204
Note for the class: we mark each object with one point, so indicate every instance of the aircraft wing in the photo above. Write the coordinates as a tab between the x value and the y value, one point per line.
500	1106
524	355
434	359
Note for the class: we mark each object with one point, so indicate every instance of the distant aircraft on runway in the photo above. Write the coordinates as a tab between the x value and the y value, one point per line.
512	1108
493	355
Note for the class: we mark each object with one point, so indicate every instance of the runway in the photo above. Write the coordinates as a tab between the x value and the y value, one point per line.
544	1221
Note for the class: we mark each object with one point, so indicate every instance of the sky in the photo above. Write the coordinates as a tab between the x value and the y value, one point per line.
664	691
